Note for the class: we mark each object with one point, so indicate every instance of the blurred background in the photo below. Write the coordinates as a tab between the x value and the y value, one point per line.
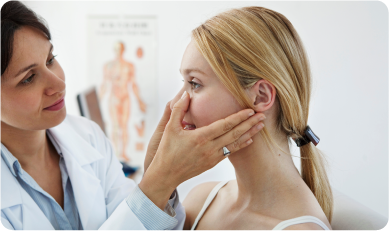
347	44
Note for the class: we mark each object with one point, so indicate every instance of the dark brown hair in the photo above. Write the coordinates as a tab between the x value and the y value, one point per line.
15	15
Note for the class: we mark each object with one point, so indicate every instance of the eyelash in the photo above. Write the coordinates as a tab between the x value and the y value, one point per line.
51	60
193	84
31	78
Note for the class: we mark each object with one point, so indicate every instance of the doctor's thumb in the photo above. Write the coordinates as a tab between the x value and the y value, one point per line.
179	110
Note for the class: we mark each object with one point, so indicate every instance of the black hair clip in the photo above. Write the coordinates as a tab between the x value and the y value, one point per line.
308	137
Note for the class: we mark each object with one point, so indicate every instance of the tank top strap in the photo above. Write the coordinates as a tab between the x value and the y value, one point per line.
208	201
300	220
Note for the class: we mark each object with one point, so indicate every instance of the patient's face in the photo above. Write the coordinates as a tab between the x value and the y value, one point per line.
210	99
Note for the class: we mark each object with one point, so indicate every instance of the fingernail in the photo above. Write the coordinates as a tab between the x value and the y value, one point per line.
260	126
183	95
249	141
251	113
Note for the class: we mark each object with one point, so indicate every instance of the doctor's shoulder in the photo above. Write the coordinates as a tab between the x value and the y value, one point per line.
88	133
86	128
195	200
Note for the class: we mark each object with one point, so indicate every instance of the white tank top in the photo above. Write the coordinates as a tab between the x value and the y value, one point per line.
280	226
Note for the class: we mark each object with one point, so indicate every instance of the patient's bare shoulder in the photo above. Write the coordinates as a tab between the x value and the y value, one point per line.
194	201
304	226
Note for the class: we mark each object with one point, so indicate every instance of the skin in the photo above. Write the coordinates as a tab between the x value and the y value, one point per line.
196	69
24	121
23	114
268	188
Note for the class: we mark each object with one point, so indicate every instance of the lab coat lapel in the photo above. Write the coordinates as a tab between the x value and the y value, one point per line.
12	194
78	155
10	188
33	217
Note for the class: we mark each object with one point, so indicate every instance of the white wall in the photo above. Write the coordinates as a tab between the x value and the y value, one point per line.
347	43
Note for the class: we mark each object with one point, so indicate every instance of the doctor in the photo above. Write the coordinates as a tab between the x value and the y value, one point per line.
59	172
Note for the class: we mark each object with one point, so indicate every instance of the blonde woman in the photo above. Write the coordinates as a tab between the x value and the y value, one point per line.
253	58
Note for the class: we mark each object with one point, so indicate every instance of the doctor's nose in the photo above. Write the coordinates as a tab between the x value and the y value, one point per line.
55	84
176	98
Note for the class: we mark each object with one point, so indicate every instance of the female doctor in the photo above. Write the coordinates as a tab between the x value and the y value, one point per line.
59	172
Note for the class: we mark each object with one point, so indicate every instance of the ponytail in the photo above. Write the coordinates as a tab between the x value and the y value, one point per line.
314	175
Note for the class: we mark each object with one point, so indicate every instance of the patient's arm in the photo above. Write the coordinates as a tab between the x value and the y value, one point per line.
195	201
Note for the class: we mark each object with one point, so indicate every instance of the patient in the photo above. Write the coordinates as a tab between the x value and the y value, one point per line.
253	58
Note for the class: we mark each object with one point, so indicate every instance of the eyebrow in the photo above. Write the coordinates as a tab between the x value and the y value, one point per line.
32	65
187	71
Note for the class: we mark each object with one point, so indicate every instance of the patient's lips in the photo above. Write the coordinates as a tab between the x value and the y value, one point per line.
188	126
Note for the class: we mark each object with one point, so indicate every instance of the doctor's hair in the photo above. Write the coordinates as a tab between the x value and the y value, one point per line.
248	44
15	15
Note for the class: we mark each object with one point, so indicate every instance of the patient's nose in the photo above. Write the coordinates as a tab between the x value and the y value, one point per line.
176	98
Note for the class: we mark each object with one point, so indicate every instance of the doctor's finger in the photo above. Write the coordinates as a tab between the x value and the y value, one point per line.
157	136
178	112
223	126
245	140
165	118
233	137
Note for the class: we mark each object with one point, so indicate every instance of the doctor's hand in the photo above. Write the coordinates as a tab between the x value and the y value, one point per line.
183	154
157	136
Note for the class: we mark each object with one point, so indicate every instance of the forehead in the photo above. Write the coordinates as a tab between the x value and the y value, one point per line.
193	59
29	46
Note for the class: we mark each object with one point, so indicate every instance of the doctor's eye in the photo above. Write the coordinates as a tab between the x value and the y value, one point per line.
51	60
28	80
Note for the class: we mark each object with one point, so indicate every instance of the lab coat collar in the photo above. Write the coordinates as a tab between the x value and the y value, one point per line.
13	194
79	154
10	188
67	138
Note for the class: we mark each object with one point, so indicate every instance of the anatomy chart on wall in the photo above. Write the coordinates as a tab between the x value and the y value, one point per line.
121	53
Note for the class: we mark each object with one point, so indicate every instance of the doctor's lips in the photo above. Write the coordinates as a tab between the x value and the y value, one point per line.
57	105
188	126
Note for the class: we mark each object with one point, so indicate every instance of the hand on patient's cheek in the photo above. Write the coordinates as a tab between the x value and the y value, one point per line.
183	154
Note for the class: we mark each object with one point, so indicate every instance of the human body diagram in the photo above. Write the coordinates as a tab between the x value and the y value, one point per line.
119	75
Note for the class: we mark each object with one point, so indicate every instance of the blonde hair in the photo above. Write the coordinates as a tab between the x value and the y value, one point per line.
252	43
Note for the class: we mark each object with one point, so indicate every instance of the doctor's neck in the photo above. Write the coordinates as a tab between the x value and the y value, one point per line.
26	145
262	173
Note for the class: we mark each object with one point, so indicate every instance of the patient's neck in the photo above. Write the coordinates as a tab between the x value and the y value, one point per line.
262	175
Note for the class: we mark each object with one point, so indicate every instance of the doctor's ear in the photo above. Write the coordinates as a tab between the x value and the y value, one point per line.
263	95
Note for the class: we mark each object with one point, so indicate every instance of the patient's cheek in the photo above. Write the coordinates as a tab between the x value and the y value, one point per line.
206	110
202	112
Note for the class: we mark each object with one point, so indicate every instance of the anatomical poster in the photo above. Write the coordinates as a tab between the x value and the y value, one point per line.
121	53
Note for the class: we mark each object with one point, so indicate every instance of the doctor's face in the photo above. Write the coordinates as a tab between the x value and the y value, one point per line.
33	85
210	99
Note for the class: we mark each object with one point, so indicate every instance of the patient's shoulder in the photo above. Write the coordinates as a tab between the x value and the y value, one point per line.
200	192
304	226
194	201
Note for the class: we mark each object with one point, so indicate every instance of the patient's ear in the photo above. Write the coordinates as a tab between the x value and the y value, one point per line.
262	95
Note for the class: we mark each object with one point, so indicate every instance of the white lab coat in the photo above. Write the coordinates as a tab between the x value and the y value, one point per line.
99	185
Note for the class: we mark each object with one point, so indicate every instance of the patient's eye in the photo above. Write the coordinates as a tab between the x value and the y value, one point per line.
194	85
